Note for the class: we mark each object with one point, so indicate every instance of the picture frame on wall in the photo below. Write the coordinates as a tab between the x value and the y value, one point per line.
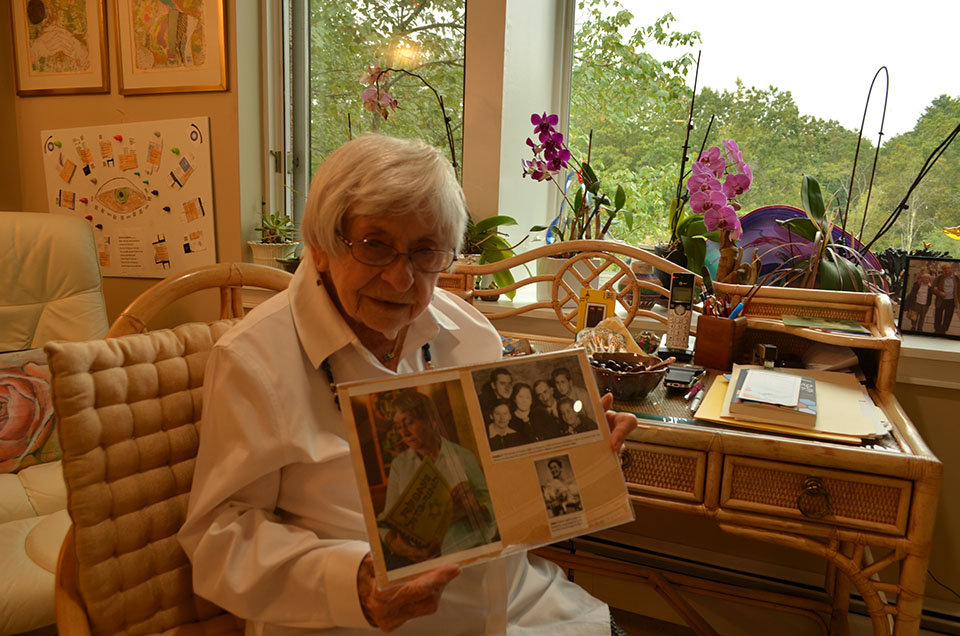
60	48
167	50
930	297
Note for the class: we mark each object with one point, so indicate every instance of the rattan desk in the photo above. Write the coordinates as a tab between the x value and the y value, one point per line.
772	488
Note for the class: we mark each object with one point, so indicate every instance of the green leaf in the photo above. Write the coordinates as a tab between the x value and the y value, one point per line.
851	275
619	199
812	199
674	212
503	279
539	228
801	227
589	175
695	247
489	223
829	276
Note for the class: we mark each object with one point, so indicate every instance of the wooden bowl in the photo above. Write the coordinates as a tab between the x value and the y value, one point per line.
623	374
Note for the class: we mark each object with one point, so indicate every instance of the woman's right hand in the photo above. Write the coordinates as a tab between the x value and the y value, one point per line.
390	608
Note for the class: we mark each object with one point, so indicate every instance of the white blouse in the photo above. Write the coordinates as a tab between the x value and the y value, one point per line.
274	527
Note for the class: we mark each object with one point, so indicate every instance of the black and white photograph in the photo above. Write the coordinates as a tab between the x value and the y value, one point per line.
561	494
426	482
930	304
534	401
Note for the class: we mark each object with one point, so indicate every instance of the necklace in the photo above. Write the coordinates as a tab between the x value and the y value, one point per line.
327	371
397	345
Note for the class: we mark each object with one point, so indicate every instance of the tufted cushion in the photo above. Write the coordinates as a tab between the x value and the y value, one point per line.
128	411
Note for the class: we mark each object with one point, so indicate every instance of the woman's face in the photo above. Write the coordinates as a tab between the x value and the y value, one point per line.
416	433
383	299
502	416
524	399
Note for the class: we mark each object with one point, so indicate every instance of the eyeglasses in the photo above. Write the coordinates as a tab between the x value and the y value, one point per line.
379	254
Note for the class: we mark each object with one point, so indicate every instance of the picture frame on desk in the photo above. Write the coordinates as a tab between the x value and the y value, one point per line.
60	49
171	51
926	305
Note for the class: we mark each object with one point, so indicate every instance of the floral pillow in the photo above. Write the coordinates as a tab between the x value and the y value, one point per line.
27	420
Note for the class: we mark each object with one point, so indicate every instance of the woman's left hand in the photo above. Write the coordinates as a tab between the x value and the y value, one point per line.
620	423
466	504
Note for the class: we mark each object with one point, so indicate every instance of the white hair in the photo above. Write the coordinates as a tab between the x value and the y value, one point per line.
380	175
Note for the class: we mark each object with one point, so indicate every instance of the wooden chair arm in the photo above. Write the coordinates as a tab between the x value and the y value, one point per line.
70	610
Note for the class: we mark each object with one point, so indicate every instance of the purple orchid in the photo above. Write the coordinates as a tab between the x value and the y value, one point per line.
722	217
703	201
536	169
544	123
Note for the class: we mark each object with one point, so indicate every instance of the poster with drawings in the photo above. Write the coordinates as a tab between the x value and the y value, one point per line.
146	188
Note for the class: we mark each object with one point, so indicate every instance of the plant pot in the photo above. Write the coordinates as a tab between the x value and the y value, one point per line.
268	253
550	265
674	253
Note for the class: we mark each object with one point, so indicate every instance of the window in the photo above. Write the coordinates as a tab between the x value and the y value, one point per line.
763	86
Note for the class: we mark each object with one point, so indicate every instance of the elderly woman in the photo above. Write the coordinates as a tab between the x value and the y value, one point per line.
417	422
274	527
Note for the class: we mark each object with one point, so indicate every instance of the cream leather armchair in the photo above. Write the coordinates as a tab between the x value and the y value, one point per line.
51	290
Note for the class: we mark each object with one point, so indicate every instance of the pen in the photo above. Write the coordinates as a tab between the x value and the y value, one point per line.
736	310
693	390
697	399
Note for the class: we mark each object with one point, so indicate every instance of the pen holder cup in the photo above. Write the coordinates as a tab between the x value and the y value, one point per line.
718	341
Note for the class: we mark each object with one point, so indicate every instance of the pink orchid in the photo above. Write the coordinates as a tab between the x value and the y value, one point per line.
703	182
703	201
378	101
372	74
723	217
713	159
735	185
733	152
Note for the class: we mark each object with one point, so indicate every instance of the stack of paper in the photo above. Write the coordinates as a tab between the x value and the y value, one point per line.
845	411
774	397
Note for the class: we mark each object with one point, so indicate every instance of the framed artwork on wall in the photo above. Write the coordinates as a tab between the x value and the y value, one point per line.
60	47
168	47
930	301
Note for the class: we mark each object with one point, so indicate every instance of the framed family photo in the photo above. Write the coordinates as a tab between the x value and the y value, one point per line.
59	47
168	47
930	301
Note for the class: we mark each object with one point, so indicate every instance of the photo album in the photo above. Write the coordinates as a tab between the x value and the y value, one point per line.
466	464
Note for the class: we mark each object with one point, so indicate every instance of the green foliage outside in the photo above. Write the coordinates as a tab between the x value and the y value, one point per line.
637	108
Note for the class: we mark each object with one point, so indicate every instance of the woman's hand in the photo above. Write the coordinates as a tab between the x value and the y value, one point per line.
465	503
401	547
390	608
620	423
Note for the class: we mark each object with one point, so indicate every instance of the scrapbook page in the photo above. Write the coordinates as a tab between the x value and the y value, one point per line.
466	464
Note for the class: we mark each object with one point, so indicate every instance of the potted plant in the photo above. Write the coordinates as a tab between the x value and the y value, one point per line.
277	232
484	243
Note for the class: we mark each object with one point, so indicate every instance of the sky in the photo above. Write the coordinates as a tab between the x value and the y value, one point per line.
826	53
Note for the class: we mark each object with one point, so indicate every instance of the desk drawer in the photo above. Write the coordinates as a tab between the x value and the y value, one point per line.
836	497
664	471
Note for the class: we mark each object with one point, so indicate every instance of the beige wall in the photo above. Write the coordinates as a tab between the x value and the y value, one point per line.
22	119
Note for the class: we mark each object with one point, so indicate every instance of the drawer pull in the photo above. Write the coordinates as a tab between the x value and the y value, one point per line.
814	500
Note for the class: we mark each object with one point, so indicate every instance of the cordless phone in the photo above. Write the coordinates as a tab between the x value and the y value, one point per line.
679	310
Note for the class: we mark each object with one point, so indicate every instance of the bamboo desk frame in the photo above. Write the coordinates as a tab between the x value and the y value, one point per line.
750	483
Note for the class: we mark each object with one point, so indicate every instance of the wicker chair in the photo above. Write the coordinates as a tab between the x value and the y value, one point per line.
230	278
129	409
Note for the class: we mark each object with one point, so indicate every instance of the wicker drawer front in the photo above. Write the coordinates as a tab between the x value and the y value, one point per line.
664	471
829	496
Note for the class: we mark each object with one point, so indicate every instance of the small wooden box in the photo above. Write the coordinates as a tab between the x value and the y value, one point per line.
718	341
